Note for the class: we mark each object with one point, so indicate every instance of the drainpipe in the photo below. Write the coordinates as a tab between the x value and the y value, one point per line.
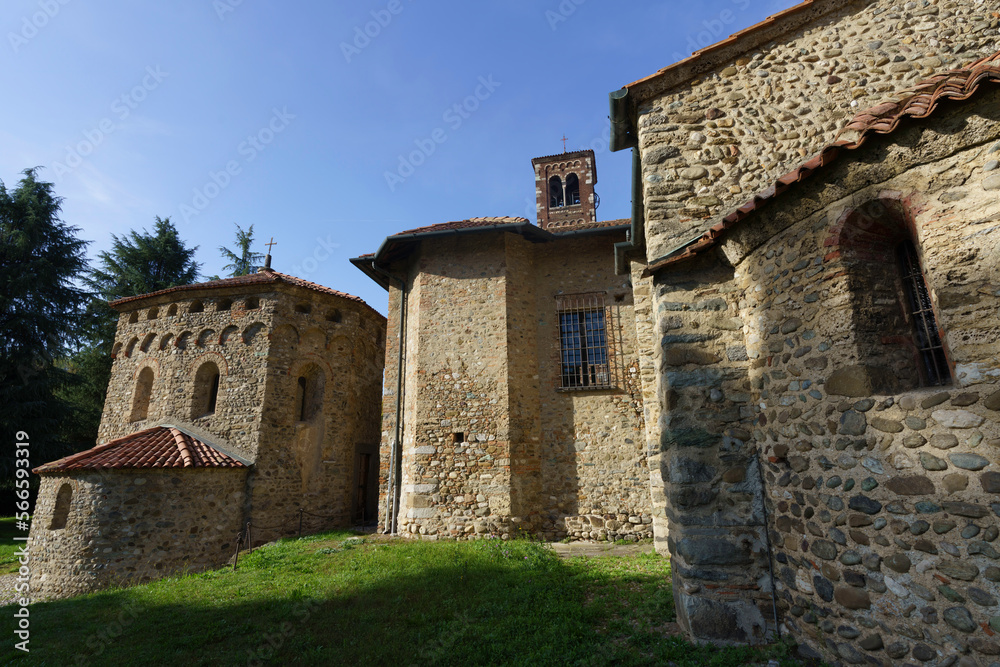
637	233
623	135
395	454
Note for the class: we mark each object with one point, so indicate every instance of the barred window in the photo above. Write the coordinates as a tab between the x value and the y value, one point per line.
586	359
934	363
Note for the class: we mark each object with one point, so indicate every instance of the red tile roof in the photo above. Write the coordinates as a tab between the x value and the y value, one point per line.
471	223
565	155
157	447
262	277
920	101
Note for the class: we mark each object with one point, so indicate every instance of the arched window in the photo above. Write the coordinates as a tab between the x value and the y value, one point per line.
895	333
556	195
303	308
572	190
61	511
196	307
153	313
224	304
143	394
206	390
172	310
310	388
333	315
253	303
133	317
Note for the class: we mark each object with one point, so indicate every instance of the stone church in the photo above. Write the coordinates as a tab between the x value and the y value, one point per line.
785	364
784	367
234	401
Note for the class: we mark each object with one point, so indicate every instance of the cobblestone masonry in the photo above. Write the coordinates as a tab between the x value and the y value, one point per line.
135	526
883	497
713	132
482	361
713	137
262	340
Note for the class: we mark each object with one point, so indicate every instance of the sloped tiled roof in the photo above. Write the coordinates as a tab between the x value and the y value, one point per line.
157	447
566	155
920	101
262	277
471	223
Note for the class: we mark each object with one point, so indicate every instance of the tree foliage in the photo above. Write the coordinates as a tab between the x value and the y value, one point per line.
243	261
41	260
139	263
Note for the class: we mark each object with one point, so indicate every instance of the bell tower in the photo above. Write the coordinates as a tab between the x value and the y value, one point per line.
564	189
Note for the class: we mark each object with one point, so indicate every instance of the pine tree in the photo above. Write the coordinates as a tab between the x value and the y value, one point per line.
246	261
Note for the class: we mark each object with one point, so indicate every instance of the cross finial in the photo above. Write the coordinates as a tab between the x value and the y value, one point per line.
267	258
564	143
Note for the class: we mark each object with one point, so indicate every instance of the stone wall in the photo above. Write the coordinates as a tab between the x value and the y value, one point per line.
482	362
135	526
710	473
885	499
308	461
456	447
740	118
165	335
594	459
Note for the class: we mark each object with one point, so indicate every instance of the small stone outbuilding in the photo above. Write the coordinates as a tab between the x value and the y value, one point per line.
247	400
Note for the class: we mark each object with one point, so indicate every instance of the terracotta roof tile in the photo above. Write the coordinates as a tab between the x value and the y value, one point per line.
157	447
471	223
565	155
919	101
262	277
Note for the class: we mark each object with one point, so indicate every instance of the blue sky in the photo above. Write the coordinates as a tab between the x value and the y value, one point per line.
325	125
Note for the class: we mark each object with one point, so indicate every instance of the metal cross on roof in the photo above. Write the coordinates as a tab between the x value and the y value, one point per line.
269	245
564	143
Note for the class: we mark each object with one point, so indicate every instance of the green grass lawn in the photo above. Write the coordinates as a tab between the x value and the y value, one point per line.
8	547
337	599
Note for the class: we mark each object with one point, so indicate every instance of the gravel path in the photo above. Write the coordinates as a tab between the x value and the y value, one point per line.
7	593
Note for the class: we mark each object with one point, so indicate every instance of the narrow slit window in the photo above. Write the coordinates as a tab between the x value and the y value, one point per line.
206	390
583	343
213	393
934	362
61	511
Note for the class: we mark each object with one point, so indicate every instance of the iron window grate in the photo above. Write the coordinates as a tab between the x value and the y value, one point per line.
586	352
918	302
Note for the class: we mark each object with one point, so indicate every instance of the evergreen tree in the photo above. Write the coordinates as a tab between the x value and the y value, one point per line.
40	313
139	263
246	261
